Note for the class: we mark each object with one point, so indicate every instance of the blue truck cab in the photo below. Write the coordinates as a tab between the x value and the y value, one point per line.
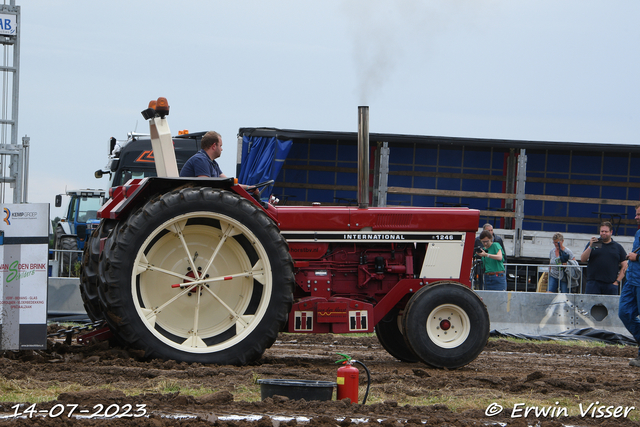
73	230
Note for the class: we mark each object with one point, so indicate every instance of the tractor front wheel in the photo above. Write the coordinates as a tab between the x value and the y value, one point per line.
446	325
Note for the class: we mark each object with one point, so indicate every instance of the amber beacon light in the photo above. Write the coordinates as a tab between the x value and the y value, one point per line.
157	108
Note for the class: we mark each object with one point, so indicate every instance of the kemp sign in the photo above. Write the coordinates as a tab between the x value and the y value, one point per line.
8	25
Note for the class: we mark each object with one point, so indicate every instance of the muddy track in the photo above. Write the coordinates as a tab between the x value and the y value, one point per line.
524	374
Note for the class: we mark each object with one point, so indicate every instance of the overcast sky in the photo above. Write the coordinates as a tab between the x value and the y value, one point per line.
537	70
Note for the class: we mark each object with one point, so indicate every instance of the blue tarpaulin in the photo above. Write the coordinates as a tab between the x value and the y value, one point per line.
584	334
262	159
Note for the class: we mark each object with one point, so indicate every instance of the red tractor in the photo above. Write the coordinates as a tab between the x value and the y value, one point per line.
198	270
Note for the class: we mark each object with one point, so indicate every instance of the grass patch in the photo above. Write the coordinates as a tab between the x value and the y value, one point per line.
37	392
569	343
32	391
164	386
247	393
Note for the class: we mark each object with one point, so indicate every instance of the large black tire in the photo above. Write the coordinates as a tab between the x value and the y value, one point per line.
69	257
89	275
389	333
58	236
446	325
228	316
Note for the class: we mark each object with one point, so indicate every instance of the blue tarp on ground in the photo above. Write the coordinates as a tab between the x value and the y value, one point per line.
262	159
585	334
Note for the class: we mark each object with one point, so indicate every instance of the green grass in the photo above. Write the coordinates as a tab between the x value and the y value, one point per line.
33	391
36	391
570	343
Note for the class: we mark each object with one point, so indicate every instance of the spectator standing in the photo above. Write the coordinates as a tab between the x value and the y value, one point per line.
488	227
559	255
606	263
491	253
629	306
479	268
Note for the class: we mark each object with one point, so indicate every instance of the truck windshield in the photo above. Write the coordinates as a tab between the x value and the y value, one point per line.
126	174
88	208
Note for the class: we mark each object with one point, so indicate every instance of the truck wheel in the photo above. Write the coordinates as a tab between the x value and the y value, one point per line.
197	275
446	325
89	276
69	246
389	333
58	236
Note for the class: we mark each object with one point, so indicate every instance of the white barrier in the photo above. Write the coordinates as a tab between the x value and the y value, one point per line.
541	313
63	298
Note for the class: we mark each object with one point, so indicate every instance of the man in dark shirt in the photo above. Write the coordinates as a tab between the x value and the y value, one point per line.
606	264
203	163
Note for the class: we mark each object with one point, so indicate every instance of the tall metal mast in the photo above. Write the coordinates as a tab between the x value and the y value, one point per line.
14	157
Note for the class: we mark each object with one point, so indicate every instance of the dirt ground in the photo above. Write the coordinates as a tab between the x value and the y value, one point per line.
506	380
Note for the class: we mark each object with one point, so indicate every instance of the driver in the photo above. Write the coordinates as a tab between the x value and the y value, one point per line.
203	164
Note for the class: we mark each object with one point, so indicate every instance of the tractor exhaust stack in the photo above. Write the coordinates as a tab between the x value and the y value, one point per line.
363	157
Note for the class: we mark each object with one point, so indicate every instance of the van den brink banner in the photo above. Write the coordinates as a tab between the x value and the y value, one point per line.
24	244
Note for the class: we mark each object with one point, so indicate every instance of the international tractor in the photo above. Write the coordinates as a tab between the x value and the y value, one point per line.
200	270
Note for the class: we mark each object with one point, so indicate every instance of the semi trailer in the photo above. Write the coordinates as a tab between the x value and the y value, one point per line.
527	190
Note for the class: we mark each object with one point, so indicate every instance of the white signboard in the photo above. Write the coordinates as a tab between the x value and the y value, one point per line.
24	243
25	220
8	24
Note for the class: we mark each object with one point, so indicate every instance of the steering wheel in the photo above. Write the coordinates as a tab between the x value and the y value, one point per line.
260	185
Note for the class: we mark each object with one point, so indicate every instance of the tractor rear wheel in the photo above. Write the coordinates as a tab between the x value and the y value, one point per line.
197	275
89	277
389	333
446	325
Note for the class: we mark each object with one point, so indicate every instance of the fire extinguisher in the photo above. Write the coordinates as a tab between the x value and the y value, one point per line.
349	379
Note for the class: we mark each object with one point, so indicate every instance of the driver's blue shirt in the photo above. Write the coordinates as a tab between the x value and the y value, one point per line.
200	165
633	271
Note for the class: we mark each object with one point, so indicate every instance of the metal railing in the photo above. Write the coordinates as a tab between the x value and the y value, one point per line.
527	278
520	277
65	263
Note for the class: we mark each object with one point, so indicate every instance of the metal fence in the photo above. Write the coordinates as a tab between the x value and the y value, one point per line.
530	278
520	277
65	263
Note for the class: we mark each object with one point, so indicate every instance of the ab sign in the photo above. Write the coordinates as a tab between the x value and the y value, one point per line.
8	25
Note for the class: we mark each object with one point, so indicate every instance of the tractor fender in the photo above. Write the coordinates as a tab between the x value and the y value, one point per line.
136	192
66	228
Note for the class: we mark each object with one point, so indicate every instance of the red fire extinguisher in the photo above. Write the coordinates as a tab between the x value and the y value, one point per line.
349	379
